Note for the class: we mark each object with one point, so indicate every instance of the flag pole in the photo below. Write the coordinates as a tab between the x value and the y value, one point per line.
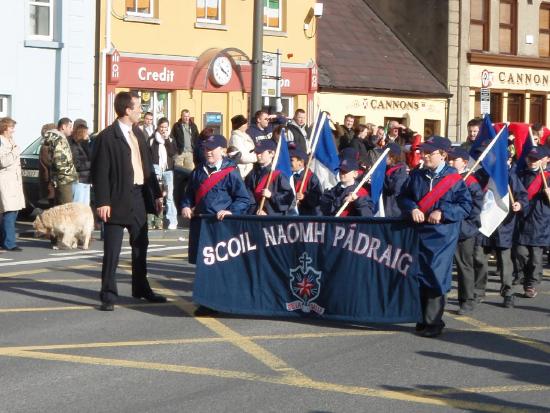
273	165
485	152
364	180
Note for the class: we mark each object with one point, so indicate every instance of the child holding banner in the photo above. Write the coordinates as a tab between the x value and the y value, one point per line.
277	193
436	197
360	203
216	186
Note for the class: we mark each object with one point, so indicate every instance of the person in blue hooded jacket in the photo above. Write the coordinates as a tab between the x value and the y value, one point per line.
394	181
469	229
437	199
277	194
534	227
216	186
502	239
332	199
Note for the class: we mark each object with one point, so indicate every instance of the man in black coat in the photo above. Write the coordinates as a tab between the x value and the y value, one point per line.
126	189
186	135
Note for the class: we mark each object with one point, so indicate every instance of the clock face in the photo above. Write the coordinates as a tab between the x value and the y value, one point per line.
221	71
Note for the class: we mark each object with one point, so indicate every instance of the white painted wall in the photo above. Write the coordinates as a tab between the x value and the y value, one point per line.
48	80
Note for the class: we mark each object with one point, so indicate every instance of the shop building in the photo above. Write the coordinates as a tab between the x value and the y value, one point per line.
368	72
505	41
195	55
47	69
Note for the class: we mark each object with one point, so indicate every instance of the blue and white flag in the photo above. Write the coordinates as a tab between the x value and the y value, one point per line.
282	157
486	133
377	185
496	201
325	162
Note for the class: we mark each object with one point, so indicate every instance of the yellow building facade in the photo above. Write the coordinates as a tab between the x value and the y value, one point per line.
195	55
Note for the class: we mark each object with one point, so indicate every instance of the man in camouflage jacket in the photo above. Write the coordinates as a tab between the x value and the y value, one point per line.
62	169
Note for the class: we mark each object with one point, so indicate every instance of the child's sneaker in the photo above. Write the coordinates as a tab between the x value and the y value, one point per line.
530	292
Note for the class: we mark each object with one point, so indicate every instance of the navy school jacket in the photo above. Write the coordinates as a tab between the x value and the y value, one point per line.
333	198
503	237
282	195
534	226
312	193
437	243
470	226
228	194
394	183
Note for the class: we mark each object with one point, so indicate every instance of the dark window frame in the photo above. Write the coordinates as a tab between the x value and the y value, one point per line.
513	26
485	23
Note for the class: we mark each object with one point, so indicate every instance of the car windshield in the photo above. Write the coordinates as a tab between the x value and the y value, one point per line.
33	148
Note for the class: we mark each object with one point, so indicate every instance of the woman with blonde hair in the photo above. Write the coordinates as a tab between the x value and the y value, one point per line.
12	198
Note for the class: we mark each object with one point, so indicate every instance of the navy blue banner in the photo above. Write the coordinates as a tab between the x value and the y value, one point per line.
360	270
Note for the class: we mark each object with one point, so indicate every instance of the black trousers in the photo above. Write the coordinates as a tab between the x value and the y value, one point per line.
505	268
112	243
464	259
433	306
481	269
530	264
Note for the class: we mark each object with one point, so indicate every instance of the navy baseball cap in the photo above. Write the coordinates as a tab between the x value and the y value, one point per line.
298	153
537	152
349	160
395	149
215	141
435	143
462	153
265	145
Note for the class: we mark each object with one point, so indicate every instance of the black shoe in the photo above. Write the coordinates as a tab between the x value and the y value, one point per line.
432	331
508	301
17	249
106	307
203	311
466	307
151	297
419	327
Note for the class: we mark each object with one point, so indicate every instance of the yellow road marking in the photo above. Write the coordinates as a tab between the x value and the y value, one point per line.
302	382
44	270
248	346
145	343
74	307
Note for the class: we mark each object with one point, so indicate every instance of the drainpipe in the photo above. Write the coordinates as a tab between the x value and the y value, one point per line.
103	76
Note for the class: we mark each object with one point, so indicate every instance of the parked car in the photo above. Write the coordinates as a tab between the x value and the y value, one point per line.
29	172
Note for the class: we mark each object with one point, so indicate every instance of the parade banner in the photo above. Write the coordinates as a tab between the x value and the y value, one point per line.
354	270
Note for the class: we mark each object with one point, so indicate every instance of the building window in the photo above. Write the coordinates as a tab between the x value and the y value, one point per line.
139	8
479	25
507	27
209	11
4	106
516	105
537	109
544	30
156	102
273	15
432	127
41	19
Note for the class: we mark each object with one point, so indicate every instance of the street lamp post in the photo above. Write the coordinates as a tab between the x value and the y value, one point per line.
257	58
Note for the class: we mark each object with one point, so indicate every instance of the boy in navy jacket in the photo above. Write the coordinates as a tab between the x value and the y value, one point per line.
534	226
308	198
394	181
278	195
437	198
360	204
469	229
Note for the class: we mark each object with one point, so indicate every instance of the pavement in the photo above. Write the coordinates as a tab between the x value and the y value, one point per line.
59	353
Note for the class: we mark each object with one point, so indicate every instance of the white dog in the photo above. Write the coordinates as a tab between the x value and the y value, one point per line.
69	223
